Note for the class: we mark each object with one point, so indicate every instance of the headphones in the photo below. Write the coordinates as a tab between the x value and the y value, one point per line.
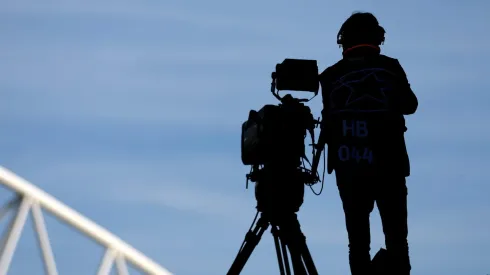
378	33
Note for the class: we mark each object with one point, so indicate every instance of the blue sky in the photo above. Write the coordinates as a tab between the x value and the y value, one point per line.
130	112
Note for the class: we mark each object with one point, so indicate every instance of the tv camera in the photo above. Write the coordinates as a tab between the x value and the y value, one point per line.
273	144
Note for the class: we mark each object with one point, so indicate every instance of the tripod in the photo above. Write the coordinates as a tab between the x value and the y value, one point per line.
287	235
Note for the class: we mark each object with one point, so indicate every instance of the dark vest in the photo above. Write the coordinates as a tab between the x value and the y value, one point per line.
363	130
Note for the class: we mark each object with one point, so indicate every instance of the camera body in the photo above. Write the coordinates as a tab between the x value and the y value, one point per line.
276	133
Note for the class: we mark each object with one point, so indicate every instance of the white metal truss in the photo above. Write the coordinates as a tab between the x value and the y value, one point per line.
30	199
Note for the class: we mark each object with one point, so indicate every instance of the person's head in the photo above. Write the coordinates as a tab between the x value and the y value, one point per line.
360	28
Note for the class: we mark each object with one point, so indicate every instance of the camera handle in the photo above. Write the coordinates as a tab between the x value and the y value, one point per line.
276	92
319	146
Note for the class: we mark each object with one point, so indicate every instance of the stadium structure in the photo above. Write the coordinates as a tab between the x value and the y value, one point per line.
29	199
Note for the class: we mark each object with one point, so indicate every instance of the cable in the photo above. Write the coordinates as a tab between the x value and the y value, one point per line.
310	171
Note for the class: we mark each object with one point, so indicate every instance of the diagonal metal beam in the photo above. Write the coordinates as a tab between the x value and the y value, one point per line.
107	262
12	203
8	229
122	268
14	235
43	238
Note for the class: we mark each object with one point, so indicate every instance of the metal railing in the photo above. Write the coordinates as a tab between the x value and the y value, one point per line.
30	199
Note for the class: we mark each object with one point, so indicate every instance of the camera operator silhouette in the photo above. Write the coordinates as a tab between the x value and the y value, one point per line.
365	96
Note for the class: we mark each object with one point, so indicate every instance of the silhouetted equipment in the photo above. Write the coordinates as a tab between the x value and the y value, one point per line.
277	131
287	235
297	75
272	142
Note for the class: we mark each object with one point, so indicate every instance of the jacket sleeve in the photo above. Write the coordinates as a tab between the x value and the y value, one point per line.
406	101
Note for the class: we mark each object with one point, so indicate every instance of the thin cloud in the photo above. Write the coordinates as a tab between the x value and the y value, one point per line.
209	19
440	126
182	197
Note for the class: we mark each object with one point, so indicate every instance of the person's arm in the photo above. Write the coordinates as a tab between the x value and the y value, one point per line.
326	86
323	138
406	102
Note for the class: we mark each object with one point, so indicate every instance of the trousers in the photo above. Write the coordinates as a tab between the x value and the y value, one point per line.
359	192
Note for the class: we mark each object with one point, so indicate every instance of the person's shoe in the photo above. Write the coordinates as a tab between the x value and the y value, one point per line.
379	263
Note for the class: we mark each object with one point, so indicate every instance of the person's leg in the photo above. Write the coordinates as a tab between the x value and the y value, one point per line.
392	205
358	203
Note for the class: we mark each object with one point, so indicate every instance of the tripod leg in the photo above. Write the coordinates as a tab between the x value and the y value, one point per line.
296	242
281	255
285	255
308	260
252	238
294	250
